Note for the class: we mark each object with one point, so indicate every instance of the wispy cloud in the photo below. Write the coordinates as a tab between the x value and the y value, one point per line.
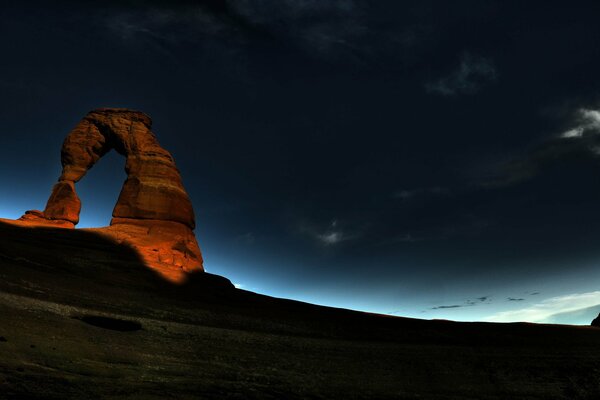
165	25
246	238
443	307
331	235
544	310
587	123
472	73
318	27
580	141
467	303
334	31
408	194
406	238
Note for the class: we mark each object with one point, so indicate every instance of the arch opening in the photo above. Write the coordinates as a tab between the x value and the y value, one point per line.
99	190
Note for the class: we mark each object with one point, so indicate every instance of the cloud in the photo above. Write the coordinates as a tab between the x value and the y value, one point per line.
407	194
238	285
318	27
331	235
467	303
545	310
164	24
581	141
390	240
588	123
514	299
404	194
407	238
472	73
450	306
247	238
346	31
165	27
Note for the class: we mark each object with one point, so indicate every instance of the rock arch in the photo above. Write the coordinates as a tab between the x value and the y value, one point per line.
153	214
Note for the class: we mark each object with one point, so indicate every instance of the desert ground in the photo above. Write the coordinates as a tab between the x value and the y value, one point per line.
82	318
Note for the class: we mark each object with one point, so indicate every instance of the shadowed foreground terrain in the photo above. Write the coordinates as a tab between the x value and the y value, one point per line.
81	317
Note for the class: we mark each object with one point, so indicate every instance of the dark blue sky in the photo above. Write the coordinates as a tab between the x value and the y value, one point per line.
431	159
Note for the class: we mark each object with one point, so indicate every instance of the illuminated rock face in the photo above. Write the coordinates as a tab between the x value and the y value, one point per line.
153	213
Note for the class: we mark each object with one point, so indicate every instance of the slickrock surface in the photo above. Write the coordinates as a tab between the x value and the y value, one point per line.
84	318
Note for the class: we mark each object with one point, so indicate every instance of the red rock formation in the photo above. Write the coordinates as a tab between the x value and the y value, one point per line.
153	213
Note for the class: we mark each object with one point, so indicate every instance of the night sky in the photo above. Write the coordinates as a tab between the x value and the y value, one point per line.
429	159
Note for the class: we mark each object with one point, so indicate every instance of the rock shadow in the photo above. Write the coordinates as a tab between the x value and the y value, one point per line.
113	324
54	262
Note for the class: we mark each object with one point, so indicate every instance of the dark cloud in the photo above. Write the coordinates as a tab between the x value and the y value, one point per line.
165	26
405	238
514	299
468	303
320	28
408	194
355	33
472	73
450	306
332	234
580	142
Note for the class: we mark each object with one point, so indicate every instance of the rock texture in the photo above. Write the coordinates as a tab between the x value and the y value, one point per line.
153	213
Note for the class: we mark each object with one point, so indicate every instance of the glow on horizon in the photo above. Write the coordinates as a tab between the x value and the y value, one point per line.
574	308
545	310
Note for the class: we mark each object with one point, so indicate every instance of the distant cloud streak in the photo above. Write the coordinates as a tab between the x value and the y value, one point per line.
332	235
472	73
332	31
580	141
407	194
467	303
450	306
318	27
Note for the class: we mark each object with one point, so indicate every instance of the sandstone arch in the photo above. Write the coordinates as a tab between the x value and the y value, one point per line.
153	213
